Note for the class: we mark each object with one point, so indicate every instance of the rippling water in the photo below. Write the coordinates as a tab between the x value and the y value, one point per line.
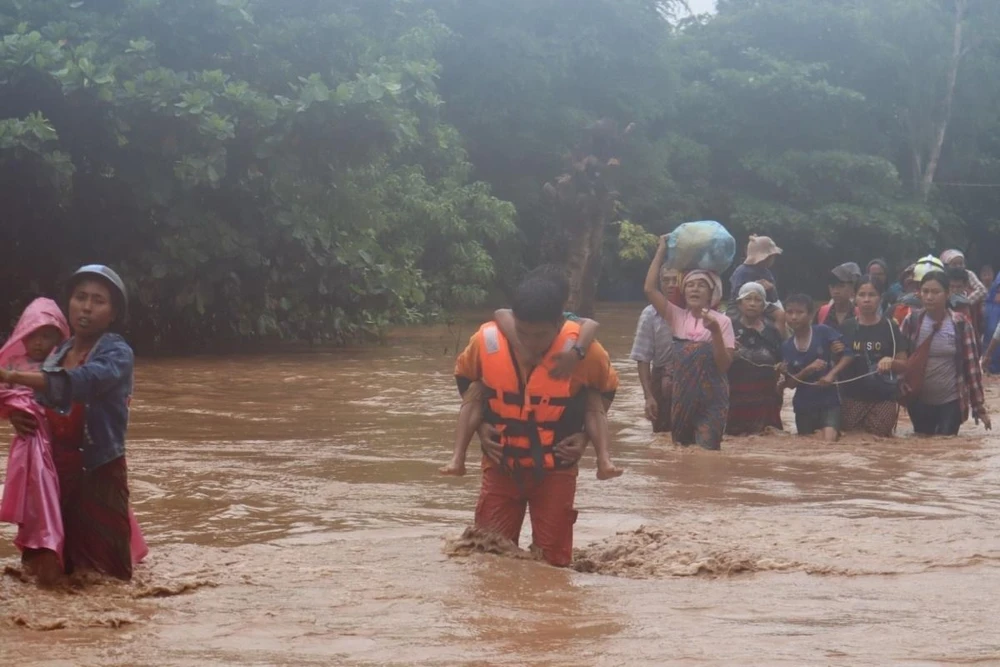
296	517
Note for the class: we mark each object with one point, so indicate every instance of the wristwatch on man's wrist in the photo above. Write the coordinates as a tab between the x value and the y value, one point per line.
580	352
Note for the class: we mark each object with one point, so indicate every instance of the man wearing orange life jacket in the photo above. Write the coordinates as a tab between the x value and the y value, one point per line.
533	432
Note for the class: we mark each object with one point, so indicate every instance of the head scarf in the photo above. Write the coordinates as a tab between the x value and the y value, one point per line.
712	278
880	262
752	288
39	313
949	255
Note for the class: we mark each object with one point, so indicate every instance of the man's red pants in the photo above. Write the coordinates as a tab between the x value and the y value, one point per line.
503	501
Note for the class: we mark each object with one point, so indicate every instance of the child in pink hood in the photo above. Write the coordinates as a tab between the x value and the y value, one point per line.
42	326
31	491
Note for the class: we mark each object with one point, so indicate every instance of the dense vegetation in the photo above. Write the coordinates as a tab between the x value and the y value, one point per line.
317	169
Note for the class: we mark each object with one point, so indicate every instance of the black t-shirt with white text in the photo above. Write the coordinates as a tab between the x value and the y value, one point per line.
871	343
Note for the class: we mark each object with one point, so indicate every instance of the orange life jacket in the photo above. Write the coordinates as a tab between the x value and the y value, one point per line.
527	412
900	313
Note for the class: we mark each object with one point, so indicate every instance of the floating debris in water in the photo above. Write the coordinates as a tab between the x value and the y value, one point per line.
171	589
648	553
477	540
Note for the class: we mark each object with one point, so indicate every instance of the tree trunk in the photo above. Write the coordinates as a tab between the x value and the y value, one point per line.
918	168
584	264
585	203
576	261
949	98
592	274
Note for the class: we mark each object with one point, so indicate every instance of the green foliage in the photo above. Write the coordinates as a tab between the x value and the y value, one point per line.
26	143
635	244
812	120
523	79
819	118
256	169
318	169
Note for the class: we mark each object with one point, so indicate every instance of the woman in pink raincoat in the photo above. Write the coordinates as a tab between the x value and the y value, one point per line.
85	387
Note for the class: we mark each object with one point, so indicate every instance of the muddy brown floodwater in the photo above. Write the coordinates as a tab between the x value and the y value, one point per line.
296	517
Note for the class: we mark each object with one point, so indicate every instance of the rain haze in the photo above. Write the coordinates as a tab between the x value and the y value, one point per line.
499	332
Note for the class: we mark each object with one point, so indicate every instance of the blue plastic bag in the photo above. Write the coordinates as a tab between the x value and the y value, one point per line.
705	245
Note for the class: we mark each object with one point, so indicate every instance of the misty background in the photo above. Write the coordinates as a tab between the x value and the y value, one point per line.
319	170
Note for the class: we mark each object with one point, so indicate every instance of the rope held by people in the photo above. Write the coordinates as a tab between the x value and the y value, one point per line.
838	382
812	384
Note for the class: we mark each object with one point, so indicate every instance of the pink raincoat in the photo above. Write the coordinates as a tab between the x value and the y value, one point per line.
31	490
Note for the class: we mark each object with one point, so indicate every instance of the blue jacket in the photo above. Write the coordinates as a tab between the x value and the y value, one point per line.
992	308
104	385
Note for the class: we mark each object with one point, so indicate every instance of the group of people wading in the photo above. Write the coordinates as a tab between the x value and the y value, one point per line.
536	385
854	361
65	385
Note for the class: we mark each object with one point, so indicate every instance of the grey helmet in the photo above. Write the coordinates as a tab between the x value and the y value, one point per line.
119	295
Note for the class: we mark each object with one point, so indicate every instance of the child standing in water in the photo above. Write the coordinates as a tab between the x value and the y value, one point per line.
808	356
32	500
470	418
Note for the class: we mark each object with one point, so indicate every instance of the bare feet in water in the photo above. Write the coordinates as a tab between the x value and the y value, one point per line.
454	469
608	470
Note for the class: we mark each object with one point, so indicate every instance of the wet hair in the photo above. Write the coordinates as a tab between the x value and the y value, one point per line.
803	300
539	300
868	280
553	273
957	275
940	277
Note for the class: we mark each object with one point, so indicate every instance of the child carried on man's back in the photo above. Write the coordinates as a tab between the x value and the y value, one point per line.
596	420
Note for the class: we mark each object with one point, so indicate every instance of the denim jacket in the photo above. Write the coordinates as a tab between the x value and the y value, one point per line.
103	383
